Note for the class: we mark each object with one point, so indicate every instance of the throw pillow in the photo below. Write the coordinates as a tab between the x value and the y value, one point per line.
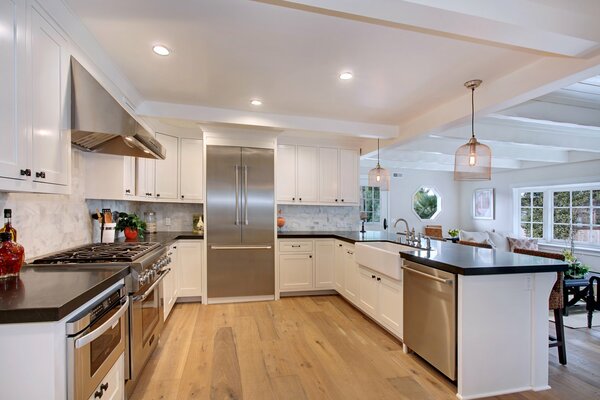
500	241
477	237
527	243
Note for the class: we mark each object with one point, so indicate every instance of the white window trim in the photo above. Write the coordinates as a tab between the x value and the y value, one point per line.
584	248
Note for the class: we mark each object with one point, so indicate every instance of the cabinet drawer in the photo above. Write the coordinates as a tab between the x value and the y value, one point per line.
113	383
296	246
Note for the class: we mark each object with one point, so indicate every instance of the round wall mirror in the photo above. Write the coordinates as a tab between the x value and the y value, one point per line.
427	203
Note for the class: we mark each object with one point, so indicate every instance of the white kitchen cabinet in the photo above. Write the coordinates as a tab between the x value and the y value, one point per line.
297	174
328	175
368	292
113	383
390	304
121	170
167	169
286	173
191	167
145	173
171	282
50	99
351	275
324	263
349	181
14	139
296	272
340	259
189	264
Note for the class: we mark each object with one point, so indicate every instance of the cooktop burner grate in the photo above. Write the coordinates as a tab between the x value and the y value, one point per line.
101	252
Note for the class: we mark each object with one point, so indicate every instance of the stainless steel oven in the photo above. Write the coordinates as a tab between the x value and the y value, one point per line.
146	324
95	341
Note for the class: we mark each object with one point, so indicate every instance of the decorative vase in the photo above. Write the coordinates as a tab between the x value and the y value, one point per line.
280	220
12	256
130	233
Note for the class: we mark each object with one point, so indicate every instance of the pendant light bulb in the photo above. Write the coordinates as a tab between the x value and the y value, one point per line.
378	176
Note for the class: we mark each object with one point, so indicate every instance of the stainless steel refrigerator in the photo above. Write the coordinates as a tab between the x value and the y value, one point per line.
240	222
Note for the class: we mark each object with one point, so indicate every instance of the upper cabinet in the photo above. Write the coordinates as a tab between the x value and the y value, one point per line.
191	169
348	176
338	176
297	174
35	145
329	175
167	169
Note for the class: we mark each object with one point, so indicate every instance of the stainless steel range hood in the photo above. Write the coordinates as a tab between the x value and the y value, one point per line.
100	124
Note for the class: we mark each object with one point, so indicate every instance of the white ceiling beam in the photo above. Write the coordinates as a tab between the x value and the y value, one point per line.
466	22
436	158
430	165
550	113
202	114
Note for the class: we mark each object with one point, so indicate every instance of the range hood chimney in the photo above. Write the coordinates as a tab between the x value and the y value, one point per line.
100	124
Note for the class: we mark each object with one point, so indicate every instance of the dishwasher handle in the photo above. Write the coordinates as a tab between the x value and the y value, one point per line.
428	276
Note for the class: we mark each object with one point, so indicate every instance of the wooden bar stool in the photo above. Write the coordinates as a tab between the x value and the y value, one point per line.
593	304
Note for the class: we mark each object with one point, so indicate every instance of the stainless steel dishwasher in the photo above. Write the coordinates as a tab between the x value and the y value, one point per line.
430	315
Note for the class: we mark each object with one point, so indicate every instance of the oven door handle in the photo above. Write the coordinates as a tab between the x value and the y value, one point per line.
151	288
95	334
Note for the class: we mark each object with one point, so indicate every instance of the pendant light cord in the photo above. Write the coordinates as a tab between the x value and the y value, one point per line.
473	112
377	151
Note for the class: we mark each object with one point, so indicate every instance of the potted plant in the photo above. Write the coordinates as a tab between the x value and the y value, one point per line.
453	233
131	225
576	269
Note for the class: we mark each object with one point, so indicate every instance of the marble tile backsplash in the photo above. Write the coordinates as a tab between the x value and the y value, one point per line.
319	218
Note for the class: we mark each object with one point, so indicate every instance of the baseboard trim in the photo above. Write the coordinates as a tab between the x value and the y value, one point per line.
242	299
324	292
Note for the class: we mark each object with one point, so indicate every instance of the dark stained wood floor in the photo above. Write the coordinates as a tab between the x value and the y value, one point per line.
318	348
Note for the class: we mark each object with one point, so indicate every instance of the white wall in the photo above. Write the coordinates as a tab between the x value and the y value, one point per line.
403	188
505	182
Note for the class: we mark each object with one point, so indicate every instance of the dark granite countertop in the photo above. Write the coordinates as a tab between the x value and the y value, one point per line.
447	256
168	238
50	292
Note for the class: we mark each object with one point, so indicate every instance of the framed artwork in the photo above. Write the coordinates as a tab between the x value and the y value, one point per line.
483	204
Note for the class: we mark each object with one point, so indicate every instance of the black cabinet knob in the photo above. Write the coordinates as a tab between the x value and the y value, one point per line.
339	245
372	276
300	199
127	191
293	199
157	194
342	200
309	256
41	174
104	386
26	172
336	200
182	196
378	278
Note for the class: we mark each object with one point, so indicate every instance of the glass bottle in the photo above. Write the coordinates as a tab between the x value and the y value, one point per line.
12	256
8	225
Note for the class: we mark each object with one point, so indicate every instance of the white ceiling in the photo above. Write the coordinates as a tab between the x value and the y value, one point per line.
409	59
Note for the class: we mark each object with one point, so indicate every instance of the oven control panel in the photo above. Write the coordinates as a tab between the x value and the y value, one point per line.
154	271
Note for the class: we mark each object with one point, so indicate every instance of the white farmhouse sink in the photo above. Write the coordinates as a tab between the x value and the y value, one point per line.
382	257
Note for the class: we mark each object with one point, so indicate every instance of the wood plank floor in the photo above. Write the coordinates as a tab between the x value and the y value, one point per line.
317	348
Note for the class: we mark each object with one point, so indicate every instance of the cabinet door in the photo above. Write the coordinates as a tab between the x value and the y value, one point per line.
51	142
307	174
295	272
340	260
351	276
368	291
168	285
174	265
349	183
390	305
129	176
189	261
191	153
286	173
167	176
324	264
145	170
328	175
13	137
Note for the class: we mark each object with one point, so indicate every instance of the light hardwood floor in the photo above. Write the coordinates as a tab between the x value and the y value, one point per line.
318	348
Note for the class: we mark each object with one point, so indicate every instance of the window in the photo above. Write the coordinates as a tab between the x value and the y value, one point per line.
371	201
532	214
560	213
427	203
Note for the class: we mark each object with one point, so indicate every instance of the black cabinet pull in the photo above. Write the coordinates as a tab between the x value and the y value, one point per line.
378	278
40	175
342	200
157	194
104	386
339	245
98	394
26	172
293	199
127	191
372	276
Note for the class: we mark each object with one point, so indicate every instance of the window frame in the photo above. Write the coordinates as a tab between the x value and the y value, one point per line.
548	213
363	203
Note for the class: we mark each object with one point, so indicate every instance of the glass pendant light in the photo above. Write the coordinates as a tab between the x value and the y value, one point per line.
379	177
473	160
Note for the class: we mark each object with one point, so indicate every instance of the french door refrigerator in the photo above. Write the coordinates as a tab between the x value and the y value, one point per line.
240	223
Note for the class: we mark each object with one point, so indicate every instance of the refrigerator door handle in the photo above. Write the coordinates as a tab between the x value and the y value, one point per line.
242	247
237	194
245	195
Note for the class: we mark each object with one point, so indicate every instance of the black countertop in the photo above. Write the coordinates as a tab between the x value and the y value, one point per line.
447	256
50	292
167	238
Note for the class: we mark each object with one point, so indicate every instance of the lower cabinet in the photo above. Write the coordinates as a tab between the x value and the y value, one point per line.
351	275
171	283
338	273
189	264
381	298
306	264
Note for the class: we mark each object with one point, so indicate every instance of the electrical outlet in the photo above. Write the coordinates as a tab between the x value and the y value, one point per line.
168	221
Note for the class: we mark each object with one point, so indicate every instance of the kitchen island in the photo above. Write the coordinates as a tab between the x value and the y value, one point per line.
501	311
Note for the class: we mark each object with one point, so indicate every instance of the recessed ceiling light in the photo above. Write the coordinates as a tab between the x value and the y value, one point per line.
161	50
256	102
346	75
